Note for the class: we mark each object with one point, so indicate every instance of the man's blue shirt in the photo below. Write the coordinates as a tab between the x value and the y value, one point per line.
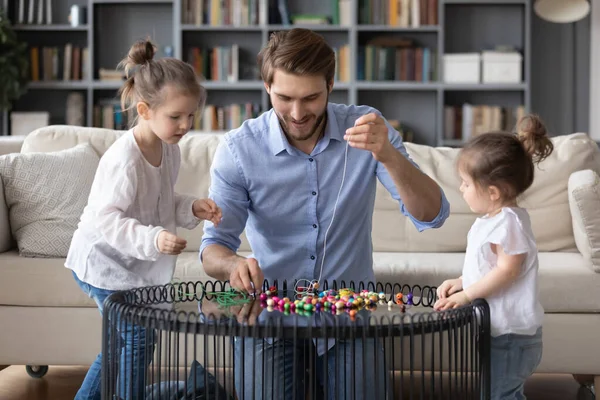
285	198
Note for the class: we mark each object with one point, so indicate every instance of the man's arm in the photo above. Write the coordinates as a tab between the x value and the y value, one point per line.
219	244
421	197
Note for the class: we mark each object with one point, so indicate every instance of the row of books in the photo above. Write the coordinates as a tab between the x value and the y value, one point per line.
32	11
217	63
259	12
466	121
67	63
224	118
224	12
108	114
401	13
416	64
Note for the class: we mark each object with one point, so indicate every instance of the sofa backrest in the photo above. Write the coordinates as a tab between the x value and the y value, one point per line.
547	199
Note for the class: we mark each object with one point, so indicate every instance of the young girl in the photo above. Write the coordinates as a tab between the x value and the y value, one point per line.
501	261
127	234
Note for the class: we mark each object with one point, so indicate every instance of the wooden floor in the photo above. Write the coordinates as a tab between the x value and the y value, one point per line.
61	383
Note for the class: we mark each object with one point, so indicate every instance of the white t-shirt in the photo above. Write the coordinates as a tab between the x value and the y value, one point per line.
515	309
130	203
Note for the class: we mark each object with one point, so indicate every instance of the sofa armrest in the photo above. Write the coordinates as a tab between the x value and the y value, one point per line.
584	203
11	144
6	240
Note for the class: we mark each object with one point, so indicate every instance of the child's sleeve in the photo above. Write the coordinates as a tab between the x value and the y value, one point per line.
184	215
127	235
510	235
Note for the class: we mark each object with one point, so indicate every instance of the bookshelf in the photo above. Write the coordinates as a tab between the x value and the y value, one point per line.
458	27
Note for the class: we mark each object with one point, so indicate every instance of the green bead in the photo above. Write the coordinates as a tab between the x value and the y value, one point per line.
308	307
286	306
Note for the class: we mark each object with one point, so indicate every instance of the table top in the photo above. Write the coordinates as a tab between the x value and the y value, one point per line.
253	319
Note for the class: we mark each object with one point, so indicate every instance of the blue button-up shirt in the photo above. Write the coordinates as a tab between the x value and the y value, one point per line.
285	199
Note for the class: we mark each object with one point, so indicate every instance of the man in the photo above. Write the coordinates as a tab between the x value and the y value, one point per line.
280	176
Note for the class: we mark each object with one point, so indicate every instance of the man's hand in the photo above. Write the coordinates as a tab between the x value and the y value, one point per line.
454	301
449	287
206	209
371	133
169	243
247	276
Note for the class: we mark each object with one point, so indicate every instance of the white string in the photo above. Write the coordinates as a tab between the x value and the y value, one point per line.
333	216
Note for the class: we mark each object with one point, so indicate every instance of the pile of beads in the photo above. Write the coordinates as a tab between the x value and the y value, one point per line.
340	301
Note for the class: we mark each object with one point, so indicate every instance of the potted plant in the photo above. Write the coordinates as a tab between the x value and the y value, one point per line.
14	64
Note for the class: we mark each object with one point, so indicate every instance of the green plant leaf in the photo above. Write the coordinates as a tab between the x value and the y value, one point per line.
14	63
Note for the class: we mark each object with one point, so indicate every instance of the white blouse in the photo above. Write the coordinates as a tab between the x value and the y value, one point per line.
130	203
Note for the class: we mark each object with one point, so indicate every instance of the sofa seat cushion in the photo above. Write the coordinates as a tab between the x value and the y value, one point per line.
567	283
45	282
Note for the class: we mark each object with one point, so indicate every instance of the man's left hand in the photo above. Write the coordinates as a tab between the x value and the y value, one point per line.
371	133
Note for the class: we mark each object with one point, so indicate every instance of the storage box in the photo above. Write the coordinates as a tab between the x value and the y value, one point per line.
462	68
24	122
502	67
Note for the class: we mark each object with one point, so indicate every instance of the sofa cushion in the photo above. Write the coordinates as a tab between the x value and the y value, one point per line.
584	202
566	281
46	194
546	200
62	137
5	235
45	282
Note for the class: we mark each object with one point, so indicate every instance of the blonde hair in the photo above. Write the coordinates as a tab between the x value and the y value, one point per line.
146	77
506	160
297	51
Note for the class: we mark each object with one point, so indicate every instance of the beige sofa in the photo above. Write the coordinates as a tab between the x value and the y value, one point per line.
47	320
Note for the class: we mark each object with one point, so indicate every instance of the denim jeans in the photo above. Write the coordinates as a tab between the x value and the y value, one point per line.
272	370
132	370
514	359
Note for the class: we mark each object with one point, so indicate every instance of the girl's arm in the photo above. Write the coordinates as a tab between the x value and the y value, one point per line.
184	213
506	272
117	190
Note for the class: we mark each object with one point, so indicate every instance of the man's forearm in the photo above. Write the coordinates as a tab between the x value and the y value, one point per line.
219	261
420	194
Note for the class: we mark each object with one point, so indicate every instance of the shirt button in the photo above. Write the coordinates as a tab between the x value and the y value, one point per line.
314	193
310	159
312	257
314	225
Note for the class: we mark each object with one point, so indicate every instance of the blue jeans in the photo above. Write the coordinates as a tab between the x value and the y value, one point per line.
514	359
272	371
132	340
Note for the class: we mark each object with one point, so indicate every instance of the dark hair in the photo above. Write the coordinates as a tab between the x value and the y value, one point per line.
147	77
506	160
297	51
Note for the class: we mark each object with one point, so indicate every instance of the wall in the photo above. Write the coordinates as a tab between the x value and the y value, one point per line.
560	74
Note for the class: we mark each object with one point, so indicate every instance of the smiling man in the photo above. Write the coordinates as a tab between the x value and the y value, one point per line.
298	177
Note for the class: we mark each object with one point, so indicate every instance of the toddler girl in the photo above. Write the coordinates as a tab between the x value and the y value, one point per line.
501	260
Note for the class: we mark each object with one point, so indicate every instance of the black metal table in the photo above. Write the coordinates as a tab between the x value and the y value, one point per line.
202	349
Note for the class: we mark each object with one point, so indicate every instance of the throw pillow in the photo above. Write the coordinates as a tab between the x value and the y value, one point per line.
46	194
584	203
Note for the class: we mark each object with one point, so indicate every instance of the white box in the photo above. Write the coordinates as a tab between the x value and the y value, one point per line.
462	68
24	122
502	67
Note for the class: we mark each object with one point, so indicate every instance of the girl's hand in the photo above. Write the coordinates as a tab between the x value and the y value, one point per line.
449	287
454	301
169	243
207	210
